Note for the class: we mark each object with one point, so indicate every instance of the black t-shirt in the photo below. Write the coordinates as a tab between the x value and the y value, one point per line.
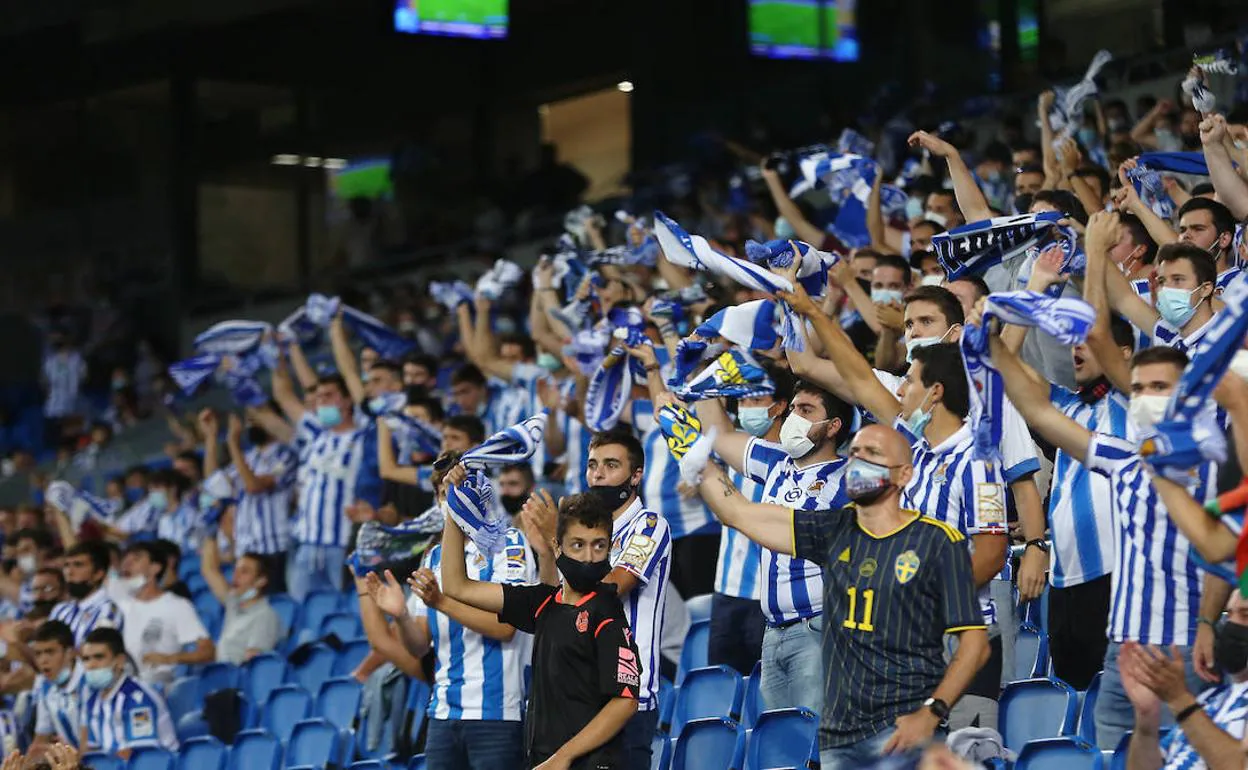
583	656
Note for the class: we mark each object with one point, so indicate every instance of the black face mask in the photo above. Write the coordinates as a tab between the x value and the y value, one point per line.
42	609
1022	203
864	284
512	503
1230	647
257	436
79	590
582	576
613	496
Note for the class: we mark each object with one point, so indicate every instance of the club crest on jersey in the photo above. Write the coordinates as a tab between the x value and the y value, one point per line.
582	621
938	477
906	567
815	487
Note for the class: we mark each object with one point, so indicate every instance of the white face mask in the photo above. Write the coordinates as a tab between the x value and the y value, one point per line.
794	435
133	584
26	563
932	280
1147	410
1239	364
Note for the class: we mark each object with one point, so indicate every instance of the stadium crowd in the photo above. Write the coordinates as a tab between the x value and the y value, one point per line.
975	399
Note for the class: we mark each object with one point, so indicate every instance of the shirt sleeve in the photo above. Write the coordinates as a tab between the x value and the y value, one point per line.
1107	454
956	584
305	430
189	627
983	503
515	565
760	456
521	605
619	665
813	531
647	545
1019	456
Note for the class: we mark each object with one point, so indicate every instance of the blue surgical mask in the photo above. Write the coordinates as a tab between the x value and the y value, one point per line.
914	208
918	420
784	230
376	405
99	678
63	677
1175	305
755	420
206	501
328	416
886	296
549	361
158	499
248	595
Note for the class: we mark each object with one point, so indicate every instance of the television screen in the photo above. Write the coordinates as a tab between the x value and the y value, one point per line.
804	29
365	178
456	18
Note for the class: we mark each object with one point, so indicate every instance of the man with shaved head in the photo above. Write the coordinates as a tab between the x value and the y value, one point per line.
895	582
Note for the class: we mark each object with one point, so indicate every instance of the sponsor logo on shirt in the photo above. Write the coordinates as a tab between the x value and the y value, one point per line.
141	723
627	671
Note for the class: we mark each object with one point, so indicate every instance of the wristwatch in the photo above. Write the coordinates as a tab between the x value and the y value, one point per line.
938	707
1038	543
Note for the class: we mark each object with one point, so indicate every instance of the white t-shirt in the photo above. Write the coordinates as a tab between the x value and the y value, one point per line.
164	625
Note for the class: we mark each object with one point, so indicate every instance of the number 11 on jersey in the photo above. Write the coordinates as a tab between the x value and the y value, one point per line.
868	610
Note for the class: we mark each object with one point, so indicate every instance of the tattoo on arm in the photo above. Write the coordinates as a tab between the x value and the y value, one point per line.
726	483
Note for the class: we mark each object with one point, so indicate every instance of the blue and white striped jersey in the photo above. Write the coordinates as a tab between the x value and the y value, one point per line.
1081	518
1143	339
1165	334
794	587
576	437
740	558
262	520
1156	585
491	413
477	677
140	517
684	514
328	464
128	715
642	544
952	486
1227	706
182	526
95	611
1225	277
58	708
63	372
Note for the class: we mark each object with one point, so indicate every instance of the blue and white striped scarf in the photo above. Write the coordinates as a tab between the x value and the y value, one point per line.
975	247
852	142
234	351
611	384
752	325
848	178
1067	319
734	374
80	505
416	435
471	504
450	294
1191	433
1067	111
321	310
502	276
812	272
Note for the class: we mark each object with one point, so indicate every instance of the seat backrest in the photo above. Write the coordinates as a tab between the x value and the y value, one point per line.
287	610
715	742
206	753
218	676
367	764
314	742
349	657
287	706
255	750
100	761
753	704
261	675
1087	710
316	606
339	702
152	758
699	608
318	667
184	696
694	653
210	612
343	625
781	738
710	692
192	725
1059	754
660	752
1028	653
417	762
1034	709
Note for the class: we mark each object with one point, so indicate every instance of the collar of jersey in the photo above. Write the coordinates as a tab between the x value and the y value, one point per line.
913	518
956	439
630	514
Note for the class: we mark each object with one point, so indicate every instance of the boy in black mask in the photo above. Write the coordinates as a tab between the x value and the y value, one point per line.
88	608
586	670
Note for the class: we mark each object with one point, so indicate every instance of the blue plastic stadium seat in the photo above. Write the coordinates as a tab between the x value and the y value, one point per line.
316	606
188	565
210	612
338	702
367	764
1059	754
255	750
694	653
717	743
218	676
195	583
699	608
98	761
287	706
192	725
417	762
781	738
287	610
205	753
152	758
1087	710
261	675
350	656
710	692
660	752
183	696
1031	653
667	704
344	625
753	705
1035	709
314	742
318	667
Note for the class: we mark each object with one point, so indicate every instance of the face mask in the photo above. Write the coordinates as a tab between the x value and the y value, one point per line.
794	437
133	584
134	494
377	406
921	342
918	419
206	501
582	576
885	296
119	383
158	500
248	595
1147	410
256	436
549	362
865	481
755	420
63	677
939	219
512	503
1022	203
1175	305
613	495
26	563
1116	124
1087	137
79	590
784	230
914	208
864	284
328	416
43	609
1239	364
932	280
1230	647
99	678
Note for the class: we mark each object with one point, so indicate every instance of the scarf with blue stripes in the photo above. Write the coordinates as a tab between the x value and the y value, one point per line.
848	179
975	247
611	384
734	374
1067	319
233	351
321	310
1067	111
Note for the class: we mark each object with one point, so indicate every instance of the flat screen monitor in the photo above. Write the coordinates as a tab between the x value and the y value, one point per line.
362	178
804	29
453	18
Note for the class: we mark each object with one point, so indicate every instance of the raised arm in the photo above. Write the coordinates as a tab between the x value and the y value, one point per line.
802	227
1103	232
388	596
208	426
252	483
344	358
1052	171
1031	398
883	238
771	526
210	568
544	296
273	423
1231	188
284	390
387	466
303	370
381	637
1158	229
970	198
1142	132
730	443
455	582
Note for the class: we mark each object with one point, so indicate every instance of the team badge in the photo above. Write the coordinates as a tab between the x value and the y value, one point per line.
938	477
582	621
868	567
815	488
906	567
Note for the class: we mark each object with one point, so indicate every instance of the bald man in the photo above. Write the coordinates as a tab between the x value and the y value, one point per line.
894	583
